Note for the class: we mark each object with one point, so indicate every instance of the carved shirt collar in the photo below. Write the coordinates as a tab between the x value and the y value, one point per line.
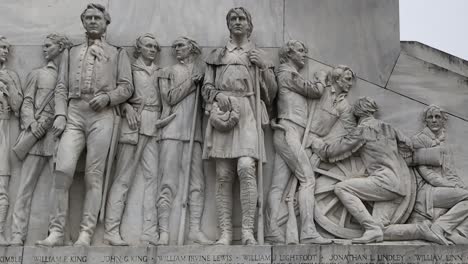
52	65
437	139
246	47
140	65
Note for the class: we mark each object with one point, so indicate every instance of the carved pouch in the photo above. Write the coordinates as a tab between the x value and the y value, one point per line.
128	135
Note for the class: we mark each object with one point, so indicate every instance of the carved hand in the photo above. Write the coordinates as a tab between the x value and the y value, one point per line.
3	88
132	117
223	102
37	130
197	78
59	125
99	102
321	77
257	59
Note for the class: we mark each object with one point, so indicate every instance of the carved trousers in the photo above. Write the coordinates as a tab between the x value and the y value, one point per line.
4	181
173	167
32	168
456	201
291	158
93	130
353	191
226	171
145	155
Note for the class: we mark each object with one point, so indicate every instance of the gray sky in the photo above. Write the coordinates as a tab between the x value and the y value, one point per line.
442	24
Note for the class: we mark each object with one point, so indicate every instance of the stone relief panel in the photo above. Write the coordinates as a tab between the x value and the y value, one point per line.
130	212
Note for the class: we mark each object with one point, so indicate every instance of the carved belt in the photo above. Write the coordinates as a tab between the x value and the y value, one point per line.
237	94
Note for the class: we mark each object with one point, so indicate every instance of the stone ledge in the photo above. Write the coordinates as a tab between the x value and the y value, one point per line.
287	254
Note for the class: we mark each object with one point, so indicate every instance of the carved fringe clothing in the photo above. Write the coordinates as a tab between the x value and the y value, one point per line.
230	72
13	100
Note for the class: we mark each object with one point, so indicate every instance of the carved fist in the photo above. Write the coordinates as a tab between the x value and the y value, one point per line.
99	102
321	77
197	78
223	102
59	125
256	58
132	117
37	130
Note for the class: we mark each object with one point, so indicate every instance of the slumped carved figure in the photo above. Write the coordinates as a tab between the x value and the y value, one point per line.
37	141
378	145
178	85
138	146
232	138
441	211
98	78
295	95
11	97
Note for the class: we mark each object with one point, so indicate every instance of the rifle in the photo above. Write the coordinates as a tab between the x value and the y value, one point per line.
183	213
110	160
258	106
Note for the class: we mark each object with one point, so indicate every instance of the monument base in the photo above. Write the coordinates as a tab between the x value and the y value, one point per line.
291	254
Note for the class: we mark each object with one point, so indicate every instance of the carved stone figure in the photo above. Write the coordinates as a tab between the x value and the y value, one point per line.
138	146
378	144
37	141
232	138
98	78
295	94
442	197
180	98
11	97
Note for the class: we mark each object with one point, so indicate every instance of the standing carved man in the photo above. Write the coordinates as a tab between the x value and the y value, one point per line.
37	116
178	85
138	146
99	77
11	97
236	144
295	95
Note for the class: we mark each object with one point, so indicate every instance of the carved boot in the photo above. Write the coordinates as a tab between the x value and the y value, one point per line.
440	233
457	239
248	198
411	232
113	238
196	210
55	239
224	209
84	240
3	214
16	241
163	239
3	240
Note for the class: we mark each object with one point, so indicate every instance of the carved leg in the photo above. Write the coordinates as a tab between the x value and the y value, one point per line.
225	173
3	207
197	197
248	197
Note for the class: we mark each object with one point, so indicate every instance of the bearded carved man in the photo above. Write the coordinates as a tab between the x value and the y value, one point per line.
232	138
11	97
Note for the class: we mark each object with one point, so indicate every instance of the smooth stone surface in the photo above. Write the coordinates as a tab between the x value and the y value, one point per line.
89	255
435	56
27	22
430	84
361	34
203	20
212	255
11	255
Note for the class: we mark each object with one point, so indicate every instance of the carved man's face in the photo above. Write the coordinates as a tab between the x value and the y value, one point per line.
434	120
149	48
4	51
238	24
94	22
297	55
51	49
182	49
346	80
